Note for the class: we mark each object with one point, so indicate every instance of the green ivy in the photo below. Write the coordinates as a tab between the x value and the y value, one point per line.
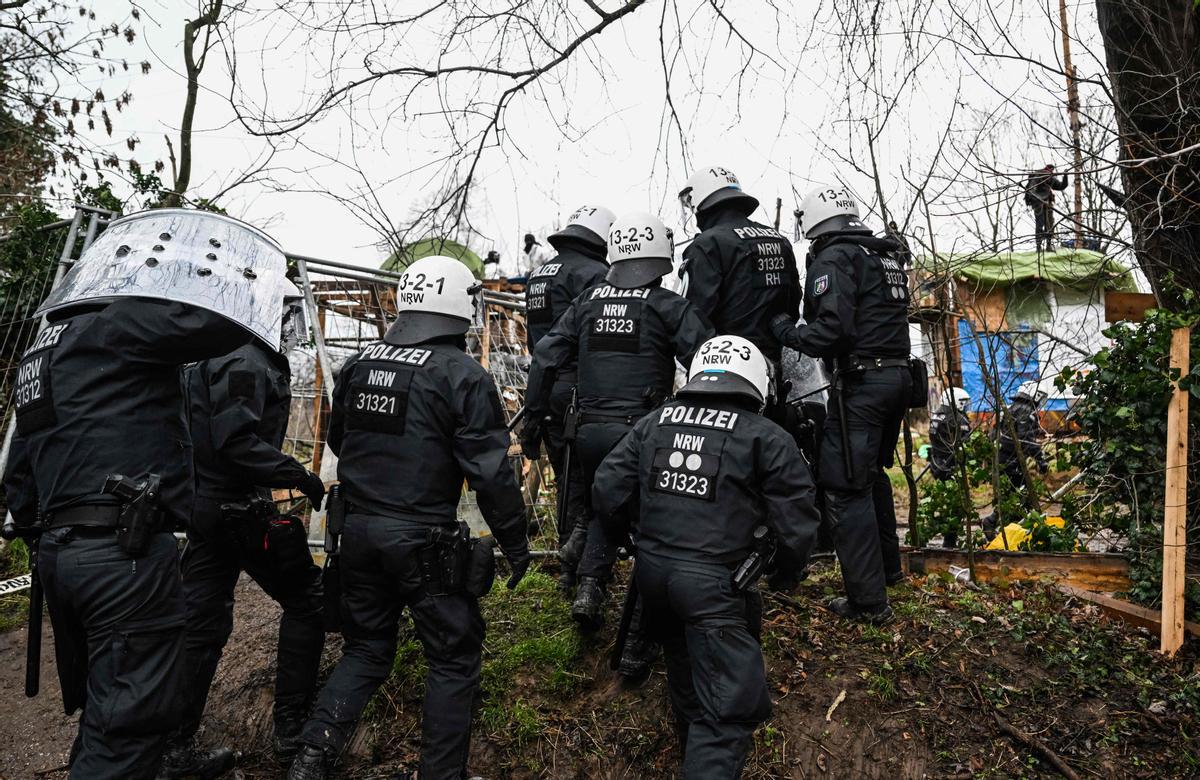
1122	412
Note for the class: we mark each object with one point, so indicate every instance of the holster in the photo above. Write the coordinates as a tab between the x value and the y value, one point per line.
757	562
141	517
481	566
443	560
249	522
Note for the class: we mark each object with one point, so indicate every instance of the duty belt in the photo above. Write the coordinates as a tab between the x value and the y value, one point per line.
591	417
89	515
856	362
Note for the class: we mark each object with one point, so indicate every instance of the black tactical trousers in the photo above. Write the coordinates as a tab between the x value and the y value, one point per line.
715	670
578	501
595	441
859	502
118	642
215	556
380	577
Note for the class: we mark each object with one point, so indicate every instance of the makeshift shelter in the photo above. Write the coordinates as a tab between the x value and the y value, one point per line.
434	246
994	320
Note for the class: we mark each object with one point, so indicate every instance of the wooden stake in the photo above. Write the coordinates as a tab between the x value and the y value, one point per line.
1175	503
318	399
1073	115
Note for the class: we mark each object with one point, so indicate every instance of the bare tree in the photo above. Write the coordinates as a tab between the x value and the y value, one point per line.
457	70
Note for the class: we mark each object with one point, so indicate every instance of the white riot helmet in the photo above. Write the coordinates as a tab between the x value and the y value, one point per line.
728	365
588	224
435	297
1032	391
829	208
956	396
640	249
709	187
207	260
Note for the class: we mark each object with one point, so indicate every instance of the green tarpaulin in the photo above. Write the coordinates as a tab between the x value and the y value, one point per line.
434	246
1063	267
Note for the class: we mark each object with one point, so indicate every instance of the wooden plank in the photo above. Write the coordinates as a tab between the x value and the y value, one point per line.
1132	614
1127	307
1091	571
1175	509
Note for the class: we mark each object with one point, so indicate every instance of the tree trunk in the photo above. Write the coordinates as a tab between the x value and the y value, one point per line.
1153	53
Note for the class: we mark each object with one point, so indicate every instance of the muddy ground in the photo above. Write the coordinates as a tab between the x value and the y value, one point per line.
995	682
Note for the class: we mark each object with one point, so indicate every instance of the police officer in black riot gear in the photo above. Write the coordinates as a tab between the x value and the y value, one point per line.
413	415
100	416
856	317
949	428
701	479
238	409
581	263
626	334
1021	417
739	273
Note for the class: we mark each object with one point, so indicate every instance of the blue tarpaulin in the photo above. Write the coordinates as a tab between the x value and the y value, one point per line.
1001	359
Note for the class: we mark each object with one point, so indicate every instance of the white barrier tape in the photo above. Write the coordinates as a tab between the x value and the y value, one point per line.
15	584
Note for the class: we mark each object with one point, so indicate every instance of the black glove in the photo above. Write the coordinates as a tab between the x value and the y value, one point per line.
531	441
314	488
783	326
518	561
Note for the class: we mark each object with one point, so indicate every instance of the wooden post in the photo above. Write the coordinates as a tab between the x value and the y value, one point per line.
318	399
1175	503
1073	116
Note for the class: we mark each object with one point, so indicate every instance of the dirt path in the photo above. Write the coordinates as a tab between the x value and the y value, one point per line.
36	735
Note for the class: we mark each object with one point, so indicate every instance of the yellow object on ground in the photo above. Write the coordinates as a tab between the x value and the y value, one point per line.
1016	535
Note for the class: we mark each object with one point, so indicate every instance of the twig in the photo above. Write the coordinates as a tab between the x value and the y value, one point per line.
841	697
1036	744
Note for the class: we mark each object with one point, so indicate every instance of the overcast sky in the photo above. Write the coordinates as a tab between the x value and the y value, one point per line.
774	132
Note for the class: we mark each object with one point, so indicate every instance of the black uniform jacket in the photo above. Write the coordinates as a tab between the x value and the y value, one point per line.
1024	416
551	288
701	474
948	432
99	393
626	342
410	423
741	274
855	300
238	408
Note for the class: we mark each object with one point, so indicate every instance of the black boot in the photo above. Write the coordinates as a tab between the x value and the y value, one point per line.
287	735
844	608
569	556
312	763
637	659
588	607
185	760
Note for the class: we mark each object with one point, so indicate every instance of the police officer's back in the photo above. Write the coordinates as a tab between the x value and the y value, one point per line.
98	395
626	334
580	264
856	317
740	274
949	428
238	410
413	416
1021	418
697	477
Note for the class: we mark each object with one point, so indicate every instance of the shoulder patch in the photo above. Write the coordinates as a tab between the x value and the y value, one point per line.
241	384
821	284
